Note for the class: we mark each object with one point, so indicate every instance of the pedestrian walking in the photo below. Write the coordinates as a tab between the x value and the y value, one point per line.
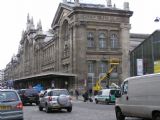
76	93
87	97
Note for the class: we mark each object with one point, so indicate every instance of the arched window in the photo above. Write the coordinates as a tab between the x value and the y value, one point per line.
114	41
102	40
90	39
65	31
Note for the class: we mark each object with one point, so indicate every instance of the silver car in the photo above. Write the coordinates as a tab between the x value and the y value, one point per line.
55	99
11	107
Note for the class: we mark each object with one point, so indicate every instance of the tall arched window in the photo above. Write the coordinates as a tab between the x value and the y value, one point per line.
114	41
102	40
65	30
90	39
65	39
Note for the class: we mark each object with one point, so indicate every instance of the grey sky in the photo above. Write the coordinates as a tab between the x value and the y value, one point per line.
14	17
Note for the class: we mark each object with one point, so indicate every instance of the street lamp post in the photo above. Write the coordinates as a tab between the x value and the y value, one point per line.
66	84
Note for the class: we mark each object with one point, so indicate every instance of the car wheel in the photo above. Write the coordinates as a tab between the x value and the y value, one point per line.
107	102
156	116
119	115
96	101
37	103
40	108
47	109
69	109
23	103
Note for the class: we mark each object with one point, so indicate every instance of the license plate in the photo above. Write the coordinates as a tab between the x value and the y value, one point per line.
31	98
5	107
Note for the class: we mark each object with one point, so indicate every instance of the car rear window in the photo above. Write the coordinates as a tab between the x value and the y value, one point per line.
31	91
59	92
112	92
8	96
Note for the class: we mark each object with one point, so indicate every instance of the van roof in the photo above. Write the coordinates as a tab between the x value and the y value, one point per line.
108	89
142	76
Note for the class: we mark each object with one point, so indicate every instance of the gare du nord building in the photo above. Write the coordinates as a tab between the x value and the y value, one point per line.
76	51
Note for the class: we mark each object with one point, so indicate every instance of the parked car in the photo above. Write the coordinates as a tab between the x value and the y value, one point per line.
29	96
55	99
139	97
106	96
11	107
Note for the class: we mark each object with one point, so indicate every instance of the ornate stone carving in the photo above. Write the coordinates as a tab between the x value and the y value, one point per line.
86	17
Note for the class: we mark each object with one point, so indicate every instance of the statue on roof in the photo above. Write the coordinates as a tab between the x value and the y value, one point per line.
64	1
76	2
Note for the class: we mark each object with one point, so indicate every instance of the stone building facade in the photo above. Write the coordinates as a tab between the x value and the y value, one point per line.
77	50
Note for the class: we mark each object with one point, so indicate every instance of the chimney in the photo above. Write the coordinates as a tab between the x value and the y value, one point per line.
126	5
76	2
109	3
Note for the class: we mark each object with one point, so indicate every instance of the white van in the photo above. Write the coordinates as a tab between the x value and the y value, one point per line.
139	97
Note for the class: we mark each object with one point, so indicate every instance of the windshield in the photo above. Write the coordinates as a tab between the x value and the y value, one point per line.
7	96
99	93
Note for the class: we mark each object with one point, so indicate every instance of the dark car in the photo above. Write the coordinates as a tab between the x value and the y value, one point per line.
11	107
29	96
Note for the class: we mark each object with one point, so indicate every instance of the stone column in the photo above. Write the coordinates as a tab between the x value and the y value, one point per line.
125	37
80	50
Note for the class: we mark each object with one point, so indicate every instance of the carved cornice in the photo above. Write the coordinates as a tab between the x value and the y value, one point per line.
39	36
125	26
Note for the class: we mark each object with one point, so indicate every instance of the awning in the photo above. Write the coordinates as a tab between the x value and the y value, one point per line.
54	74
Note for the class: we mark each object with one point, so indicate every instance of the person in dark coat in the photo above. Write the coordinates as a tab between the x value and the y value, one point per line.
76	93
85	96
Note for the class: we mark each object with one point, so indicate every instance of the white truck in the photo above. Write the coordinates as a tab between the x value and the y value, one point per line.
139	97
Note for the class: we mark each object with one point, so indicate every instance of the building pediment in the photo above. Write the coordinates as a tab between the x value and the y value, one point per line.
85	11
63	10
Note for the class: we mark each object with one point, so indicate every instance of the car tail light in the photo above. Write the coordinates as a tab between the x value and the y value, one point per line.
70	98
49	98
19	105
23	95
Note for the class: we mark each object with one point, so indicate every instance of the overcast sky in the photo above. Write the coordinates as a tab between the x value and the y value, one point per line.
14	17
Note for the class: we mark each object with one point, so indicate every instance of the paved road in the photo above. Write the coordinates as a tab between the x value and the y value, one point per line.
81	111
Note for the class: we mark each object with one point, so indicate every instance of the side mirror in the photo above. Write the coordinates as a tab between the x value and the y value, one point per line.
118	94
